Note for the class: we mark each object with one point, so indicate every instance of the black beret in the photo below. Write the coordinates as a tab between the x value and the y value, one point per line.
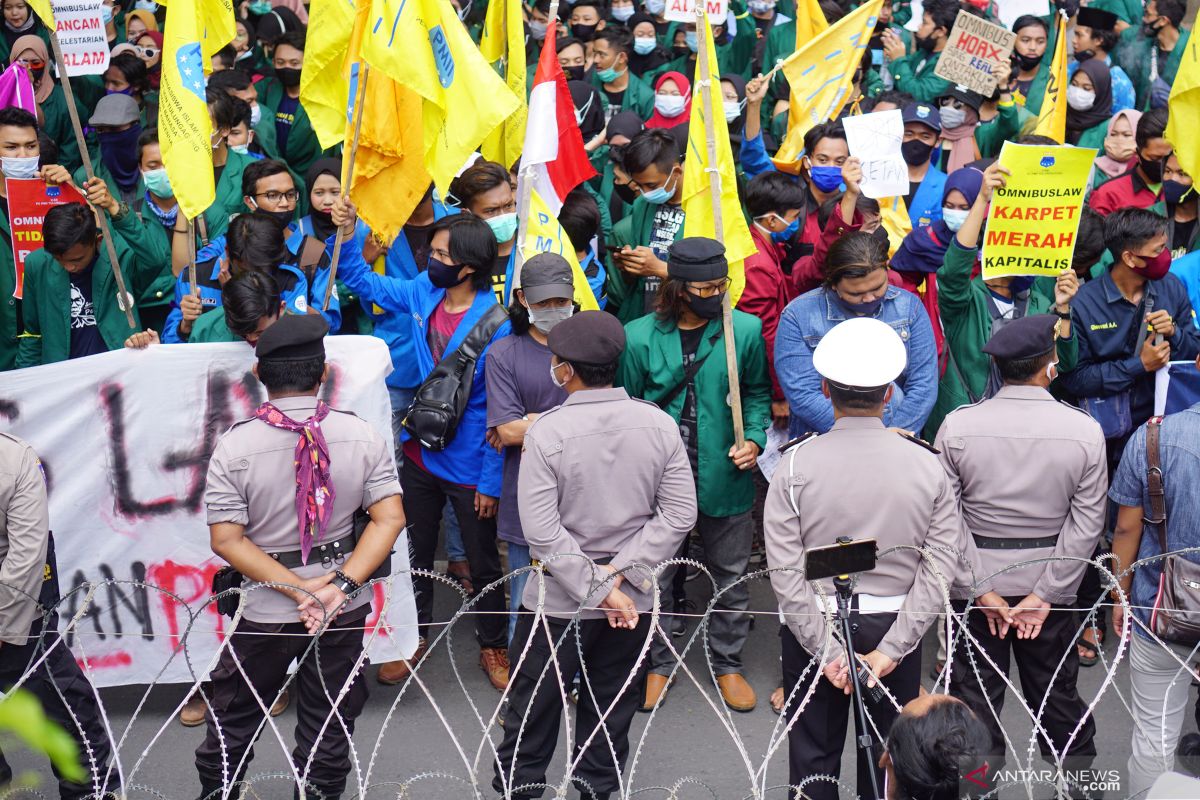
1027	337
1097	19
589	337
697	258
293	337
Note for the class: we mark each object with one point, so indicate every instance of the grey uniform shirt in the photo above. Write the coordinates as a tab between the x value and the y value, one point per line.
866	482
252	482
602	476
24	538
1025	466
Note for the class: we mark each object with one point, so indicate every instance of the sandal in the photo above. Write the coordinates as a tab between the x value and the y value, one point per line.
1091	647
778	700
460	572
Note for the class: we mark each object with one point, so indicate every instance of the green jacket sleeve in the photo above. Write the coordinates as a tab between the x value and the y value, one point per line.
29	342
1068	351
149	255
618	285
756	389
631	372
923	85
954	280
991	135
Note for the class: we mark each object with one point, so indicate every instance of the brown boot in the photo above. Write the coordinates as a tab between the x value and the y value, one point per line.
656	692
394	672
494	662
281	703
736	693
192	713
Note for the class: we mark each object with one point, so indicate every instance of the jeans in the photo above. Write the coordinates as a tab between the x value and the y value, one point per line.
726	543
518	556
402	398
1159	686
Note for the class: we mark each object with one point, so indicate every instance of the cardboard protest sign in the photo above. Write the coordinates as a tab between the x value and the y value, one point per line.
685	11
875	139
974	50
81	36
28	202
1033	221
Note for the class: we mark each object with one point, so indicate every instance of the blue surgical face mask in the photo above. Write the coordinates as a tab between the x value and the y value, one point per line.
622	13
158	183
504	226
106	14
537	30
954	217
827	179
660	195
644	45
655	8
693	41
787	233
242	149
146	5
608	75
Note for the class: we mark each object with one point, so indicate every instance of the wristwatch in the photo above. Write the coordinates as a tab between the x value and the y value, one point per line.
122	210
1063	314
344	582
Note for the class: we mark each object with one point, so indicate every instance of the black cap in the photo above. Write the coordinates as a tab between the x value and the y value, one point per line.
545	276
960	92
589	337
924	113
697	258
1097	19
293	337
1027	337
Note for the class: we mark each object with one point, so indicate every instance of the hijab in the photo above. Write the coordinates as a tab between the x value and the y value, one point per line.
322	223
738	126
155	72
589	109
625	123
146	18
924	249
1106	163
641	64
657	120
1101	110
44	85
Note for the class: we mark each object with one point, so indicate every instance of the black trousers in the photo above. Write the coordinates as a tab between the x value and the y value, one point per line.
425	495
816	738
59	673
322	672
1036	661
609	654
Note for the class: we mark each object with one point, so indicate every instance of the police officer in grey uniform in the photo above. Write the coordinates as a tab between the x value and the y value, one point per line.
1030	476
29	623
863	481
283	491
605	488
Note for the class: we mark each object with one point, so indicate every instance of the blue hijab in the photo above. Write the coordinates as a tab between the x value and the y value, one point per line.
924	249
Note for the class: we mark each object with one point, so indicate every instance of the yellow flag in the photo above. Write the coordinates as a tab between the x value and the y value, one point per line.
1052	121
324	87
44	11
218	26
545	235
422	45
699	219
821	74
503	44
1184	107
810	21
185	130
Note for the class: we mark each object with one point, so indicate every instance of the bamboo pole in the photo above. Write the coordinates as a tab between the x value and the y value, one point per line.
704	69
125	300
348	173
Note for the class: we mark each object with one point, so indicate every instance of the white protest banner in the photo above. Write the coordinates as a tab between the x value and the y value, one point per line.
875	140
125	439
1009	10
81	36
685	11
973	52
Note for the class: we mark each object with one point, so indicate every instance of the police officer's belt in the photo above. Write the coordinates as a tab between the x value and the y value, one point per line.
601	561
334	552
1006	543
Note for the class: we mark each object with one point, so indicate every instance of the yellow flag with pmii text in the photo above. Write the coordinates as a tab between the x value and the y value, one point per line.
185	129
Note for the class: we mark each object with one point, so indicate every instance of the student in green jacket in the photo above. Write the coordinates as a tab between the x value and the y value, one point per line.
620	89
250	303
71	305
734	50
237	83
638	265
972	309
1089	105
913	73
280	95
1030	72
676	359
19	20
1155	47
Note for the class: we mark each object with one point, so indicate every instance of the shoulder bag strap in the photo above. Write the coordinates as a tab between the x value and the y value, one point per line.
481	333
688	374
1154	482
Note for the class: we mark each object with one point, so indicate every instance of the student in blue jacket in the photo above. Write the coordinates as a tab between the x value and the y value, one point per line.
439	308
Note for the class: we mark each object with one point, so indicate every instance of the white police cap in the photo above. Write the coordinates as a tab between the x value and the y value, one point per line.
862	352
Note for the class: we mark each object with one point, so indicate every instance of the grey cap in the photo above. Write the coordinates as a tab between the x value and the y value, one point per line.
546	276
115	109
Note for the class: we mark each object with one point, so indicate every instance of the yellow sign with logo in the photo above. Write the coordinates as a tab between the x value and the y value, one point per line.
1034	219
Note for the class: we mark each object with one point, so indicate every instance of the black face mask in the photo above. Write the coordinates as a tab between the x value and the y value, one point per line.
1027	62
574	73
924	43
706	307
584	33
1149	31
916	152
443	275
1084	55
284	218
626	192
1174	191
37	74
1153	170
289	77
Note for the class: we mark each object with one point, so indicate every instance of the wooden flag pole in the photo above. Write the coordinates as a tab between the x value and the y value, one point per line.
124	300
191	234
360	96
714	189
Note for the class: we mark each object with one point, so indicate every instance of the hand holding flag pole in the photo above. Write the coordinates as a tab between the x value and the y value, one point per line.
360	96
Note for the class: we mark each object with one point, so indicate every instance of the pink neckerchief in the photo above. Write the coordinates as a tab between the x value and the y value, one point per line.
314	486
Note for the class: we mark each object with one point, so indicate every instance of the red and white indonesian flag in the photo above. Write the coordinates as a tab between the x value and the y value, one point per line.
553	144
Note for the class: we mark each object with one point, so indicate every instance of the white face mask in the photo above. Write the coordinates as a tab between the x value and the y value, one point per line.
554	375
954	217
1080	99
20	168
255	114
669	105
1052	371
952	117
545	319
733	110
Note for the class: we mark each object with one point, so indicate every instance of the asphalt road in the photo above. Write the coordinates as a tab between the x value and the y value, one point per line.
691	744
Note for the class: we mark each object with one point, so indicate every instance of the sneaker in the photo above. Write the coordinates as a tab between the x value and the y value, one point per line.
494	662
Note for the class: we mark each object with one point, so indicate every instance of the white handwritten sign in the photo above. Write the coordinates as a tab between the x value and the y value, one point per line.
875	140
82	37
685	11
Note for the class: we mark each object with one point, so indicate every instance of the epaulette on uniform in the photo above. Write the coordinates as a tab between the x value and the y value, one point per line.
799	440
920	442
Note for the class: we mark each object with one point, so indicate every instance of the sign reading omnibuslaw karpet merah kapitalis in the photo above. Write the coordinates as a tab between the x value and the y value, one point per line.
1033	221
